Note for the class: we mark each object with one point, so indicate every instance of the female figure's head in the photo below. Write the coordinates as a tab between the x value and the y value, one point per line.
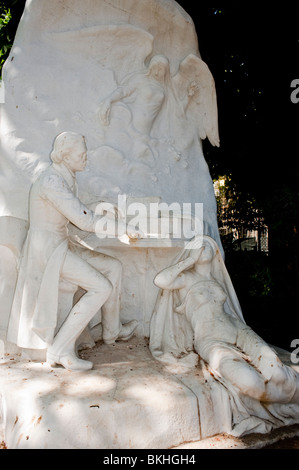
159	68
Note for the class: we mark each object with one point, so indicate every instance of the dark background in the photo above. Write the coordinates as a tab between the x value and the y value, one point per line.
252	51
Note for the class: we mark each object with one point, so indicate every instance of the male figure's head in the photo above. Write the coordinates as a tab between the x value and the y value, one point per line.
70	149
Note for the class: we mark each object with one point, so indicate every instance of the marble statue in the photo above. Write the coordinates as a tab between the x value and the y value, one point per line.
146	93
163	109
144	109
144	112
49	256
124	78
171	335
198	323
218	332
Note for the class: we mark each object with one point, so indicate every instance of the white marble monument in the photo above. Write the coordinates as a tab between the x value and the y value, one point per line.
65	67
124	82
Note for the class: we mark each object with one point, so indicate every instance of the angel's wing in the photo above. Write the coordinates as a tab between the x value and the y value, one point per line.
196	89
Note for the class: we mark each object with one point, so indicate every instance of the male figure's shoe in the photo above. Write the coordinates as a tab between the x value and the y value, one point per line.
70	362
126	332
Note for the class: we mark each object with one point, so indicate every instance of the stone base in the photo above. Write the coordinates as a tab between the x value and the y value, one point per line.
128	401
277	439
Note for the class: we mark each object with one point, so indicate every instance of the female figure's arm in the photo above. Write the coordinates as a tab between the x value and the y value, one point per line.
172	278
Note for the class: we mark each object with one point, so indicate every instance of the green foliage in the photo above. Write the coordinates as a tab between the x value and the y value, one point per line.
237	209
10	14
5	39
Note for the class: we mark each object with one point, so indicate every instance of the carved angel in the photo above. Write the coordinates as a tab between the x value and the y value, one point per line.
195	88
144	93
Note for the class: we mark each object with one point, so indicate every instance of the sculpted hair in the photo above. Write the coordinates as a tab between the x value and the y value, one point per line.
63	145
159	59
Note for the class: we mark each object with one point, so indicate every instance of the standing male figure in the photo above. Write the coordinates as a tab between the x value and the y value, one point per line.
48	258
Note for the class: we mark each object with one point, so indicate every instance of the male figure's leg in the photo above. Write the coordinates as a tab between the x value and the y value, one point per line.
111	269
98	289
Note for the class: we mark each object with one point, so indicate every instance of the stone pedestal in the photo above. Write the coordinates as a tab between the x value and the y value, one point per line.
128	401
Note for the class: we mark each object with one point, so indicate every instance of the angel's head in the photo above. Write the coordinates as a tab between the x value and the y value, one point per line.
159	67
